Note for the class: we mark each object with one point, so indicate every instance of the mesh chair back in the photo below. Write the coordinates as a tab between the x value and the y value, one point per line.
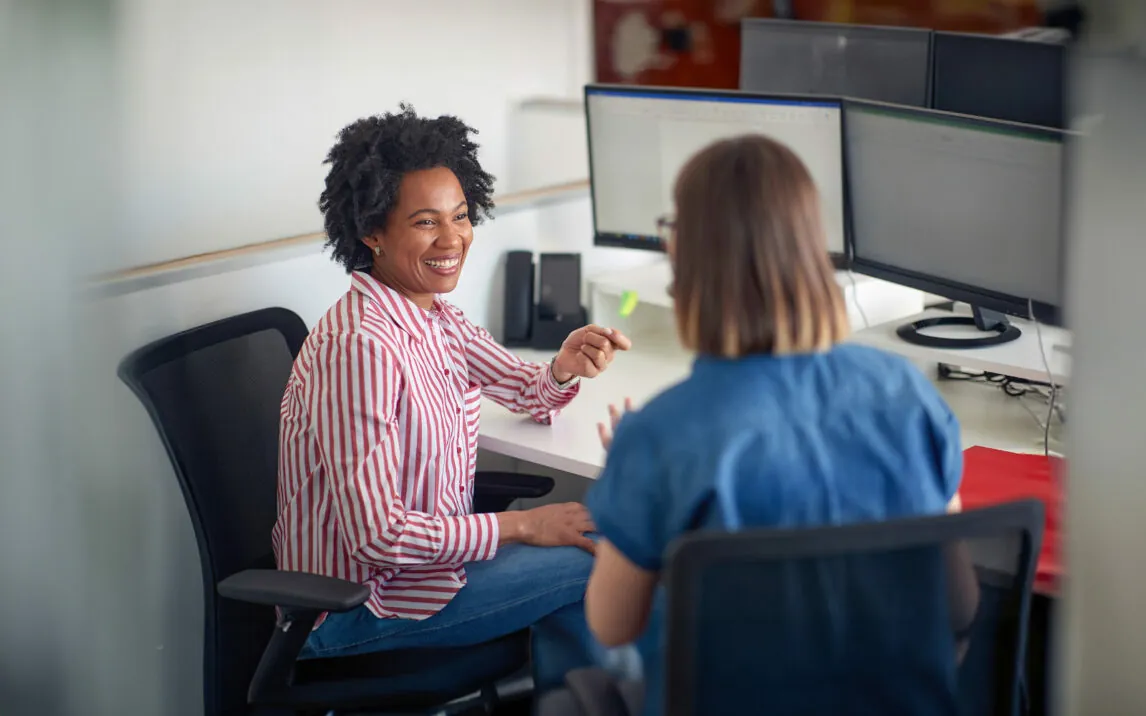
214	395
911	618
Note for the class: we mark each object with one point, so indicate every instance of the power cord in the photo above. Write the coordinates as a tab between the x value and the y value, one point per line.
1019	388
1050	377
856	298
1011	386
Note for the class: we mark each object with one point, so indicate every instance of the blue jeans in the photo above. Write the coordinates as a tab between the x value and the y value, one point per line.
523	586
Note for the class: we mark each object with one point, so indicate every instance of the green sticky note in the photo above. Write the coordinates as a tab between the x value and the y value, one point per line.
629	303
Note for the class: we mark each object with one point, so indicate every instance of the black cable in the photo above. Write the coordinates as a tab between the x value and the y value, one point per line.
1015	388
1050	377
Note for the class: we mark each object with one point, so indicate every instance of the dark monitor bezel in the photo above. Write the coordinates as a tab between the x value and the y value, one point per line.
981	297
836	28
653	243
1059	48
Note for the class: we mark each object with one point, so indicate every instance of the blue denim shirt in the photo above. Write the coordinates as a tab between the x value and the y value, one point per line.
848	435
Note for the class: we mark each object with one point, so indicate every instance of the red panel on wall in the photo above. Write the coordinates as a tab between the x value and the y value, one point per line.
683	43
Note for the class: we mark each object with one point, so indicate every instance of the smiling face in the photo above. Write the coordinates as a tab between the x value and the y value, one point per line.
427	237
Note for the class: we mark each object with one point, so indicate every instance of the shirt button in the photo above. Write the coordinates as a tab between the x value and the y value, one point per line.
446	371
459	451
459	410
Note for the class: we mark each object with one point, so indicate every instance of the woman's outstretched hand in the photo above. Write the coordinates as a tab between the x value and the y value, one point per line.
558	525
606	431
587	352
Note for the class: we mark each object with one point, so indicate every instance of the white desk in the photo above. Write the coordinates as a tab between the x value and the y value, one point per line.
1019	358
571	445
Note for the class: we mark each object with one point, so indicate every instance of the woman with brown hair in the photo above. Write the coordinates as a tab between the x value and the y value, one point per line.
780	424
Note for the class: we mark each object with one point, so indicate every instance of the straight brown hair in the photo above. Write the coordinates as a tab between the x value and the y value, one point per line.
750	262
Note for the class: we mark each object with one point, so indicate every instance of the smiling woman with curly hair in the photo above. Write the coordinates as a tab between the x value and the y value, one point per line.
380	421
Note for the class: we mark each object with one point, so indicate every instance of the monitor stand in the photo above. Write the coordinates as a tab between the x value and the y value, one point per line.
994	325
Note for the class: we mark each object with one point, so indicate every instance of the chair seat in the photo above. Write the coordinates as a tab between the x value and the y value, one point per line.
414	679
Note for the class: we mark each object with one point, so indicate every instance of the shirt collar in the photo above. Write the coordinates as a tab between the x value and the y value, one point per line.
405	314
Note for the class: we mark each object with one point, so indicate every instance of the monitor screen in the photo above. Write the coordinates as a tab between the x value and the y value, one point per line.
885	64
640	138
965	208
1000	78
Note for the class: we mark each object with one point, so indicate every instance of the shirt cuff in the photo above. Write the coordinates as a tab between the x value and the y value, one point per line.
550	392
470	538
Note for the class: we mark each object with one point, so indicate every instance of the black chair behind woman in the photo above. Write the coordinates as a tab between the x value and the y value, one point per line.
907	617
213	393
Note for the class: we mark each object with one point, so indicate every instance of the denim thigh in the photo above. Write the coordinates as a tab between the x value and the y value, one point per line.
520	586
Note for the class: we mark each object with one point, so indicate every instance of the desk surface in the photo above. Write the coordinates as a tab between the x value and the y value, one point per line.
1019	358
988	416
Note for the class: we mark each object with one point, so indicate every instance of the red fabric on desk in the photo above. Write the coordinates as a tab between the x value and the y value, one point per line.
991	477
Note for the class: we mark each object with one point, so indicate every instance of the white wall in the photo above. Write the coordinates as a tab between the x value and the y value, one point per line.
534	158
230	107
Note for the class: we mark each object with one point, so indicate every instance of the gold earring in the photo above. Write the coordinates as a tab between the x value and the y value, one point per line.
377	250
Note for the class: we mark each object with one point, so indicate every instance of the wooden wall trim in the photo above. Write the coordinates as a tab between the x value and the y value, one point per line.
197	265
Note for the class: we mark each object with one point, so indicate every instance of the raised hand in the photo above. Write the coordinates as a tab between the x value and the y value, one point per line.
605	432
587	352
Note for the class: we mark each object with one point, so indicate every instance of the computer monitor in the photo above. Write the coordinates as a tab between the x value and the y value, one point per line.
640	137
1004	78
885	64
962	207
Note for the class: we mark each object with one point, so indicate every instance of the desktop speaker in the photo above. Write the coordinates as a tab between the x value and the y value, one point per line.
518	325
559	311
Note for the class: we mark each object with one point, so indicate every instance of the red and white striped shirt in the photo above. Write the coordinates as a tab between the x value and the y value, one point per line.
377	446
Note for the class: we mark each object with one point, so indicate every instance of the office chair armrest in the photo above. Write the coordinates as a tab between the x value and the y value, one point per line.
495	491
511	484
294	590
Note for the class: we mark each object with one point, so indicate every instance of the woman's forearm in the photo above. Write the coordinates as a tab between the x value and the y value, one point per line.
512	527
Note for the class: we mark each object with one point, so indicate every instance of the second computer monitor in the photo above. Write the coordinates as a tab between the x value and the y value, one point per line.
885	64
966	208
1012	79
639	138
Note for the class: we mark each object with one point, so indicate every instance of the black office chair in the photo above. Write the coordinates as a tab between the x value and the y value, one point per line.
214	394
915	618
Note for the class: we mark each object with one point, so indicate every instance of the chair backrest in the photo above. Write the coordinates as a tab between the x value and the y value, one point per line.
214	394
922	616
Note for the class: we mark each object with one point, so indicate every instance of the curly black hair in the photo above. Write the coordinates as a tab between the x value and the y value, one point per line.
367	164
